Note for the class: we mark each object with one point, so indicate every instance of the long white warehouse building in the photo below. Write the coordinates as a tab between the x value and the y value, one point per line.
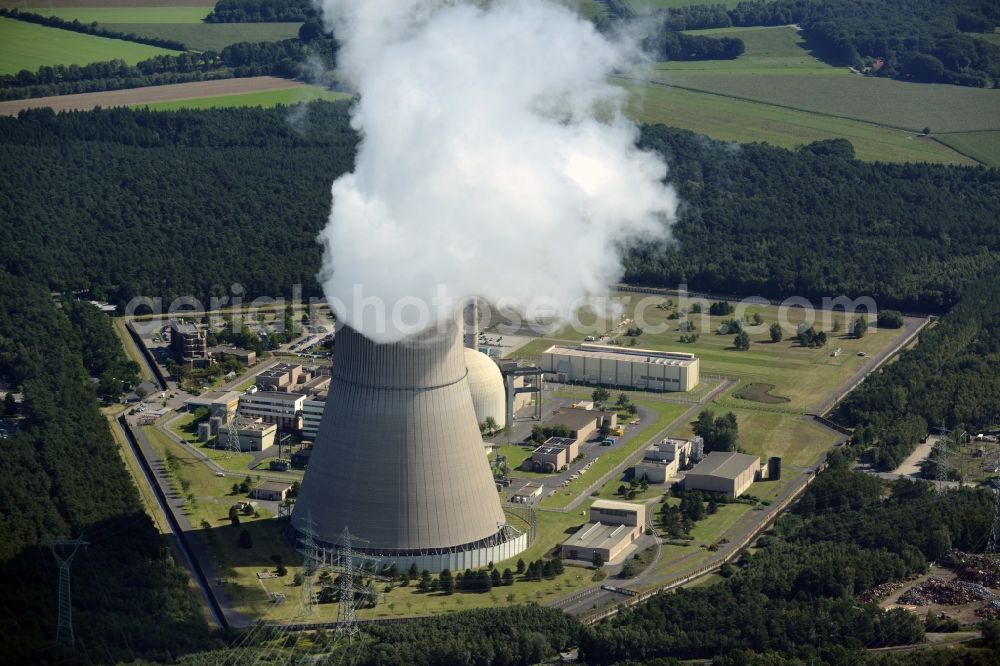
627	367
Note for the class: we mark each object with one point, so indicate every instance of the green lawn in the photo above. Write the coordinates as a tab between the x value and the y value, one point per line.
209	36
267	98
728	119
803	375
768	50
982	146
126	14
710	529
800	98
30	46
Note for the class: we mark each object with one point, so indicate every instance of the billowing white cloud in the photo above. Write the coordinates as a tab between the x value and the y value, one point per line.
494	162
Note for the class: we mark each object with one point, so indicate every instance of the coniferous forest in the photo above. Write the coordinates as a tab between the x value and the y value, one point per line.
211	198
124	203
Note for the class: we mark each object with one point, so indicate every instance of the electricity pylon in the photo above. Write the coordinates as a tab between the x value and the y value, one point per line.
64	628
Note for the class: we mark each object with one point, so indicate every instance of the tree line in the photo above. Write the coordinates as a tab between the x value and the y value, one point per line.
953	376
261	11
757	220
63	477
918	40
283	58
796	596
90	29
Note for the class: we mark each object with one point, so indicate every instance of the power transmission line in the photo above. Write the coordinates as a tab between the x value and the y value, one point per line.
64	627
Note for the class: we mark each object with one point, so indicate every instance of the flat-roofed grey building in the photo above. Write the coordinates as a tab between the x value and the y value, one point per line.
720	472
628	367
613	528
398	459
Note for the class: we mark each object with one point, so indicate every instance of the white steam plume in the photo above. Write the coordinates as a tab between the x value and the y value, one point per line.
494	162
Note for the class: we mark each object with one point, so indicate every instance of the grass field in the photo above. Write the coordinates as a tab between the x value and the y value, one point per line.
769	50
797	440
265	99
30	46
778	91
729	119
126	14
210	36
982	146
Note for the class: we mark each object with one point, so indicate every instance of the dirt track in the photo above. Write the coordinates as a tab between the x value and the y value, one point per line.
149	94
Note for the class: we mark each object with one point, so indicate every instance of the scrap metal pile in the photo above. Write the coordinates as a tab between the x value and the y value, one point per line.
975	568
944	593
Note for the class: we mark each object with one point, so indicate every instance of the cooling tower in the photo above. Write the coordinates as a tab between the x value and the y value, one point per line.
399	460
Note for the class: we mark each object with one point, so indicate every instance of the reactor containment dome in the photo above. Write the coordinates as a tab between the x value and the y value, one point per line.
399	460
489	396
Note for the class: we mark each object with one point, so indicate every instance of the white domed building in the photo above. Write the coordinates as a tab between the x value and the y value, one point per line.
489	397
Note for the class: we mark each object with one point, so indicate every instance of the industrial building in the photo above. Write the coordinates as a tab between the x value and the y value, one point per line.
489	396
274	491
247	357
527	493
720	472
254	435
398	459
188	343
552	456
282	409
624	367
581	423
546	459
613	528
652	471
312	413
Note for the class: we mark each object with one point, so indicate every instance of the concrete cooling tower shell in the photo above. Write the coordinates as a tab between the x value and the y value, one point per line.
399	460
489	397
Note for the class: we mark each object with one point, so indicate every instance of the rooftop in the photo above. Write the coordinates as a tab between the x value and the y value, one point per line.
599	535
725	465
549	450
560	441
627	354
574	419
274	486
185	329
616	505
272	395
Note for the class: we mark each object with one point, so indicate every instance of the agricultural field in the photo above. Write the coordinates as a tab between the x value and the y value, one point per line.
30	46
769	50
729	119
267	98
981	146
586	8
125	14
780	92
209	36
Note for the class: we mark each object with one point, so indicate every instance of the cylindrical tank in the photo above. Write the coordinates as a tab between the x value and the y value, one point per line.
774	468
204	431
213	425
489	397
